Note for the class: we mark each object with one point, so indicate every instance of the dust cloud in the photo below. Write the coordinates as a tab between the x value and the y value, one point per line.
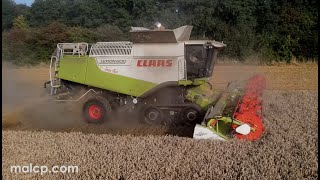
223	74
27	104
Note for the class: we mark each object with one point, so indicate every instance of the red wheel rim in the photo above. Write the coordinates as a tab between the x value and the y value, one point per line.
95	112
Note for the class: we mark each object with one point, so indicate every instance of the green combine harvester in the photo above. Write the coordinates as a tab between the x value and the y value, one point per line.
161	76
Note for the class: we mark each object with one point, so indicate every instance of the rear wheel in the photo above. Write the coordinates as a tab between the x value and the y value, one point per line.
96	110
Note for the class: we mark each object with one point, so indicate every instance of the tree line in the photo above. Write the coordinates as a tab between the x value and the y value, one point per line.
270	30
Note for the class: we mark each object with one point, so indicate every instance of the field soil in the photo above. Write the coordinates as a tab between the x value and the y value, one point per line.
38	131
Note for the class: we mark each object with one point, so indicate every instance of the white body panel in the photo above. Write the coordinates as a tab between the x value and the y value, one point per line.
156	63
160	50
152	62
202	132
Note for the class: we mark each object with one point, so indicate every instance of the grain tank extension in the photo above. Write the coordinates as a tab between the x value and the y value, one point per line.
160	76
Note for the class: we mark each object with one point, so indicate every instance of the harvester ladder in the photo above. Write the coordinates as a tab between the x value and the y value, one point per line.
62	49
53	72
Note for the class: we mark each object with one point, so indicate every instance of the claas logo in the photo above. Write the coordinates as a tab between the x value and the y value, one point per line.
154	63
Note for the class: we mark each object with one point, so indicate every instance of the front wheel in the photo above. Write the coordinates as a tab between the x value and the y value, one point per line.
96	110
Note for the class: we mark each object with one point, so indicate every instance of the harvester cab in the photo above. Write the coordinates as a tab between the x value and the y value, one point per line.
162	77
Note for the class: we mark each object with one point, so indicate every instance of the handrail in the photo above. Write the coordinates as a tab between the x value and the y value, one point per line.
120	48
50	71
79	97
184	69
61	50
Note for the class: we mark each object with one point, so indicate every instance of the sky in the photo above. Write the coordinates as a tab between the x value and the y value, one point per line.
27	2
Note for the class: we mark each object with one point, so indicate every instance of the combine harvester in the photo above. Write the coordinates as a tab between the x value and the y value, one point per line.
163	77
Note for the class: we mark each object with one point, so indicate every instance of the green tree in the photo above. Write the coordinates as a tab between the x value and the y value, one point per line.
44	12
273	29
81	34
143	12
108	33
44	40
22	9
170	13
20	23
87	13
7	13
289	29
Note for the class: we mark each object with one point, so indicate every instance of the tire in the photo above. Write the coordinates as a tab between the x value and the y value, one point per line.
97	110
152	115
190	116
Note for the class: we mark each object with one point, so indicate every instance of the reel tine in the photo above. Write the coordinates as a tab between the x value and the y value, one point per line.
250	108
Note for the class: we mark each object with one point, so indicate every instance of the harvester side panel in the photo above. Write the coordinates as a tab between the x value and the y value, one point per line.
73	68
114	81
85	70
126	68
